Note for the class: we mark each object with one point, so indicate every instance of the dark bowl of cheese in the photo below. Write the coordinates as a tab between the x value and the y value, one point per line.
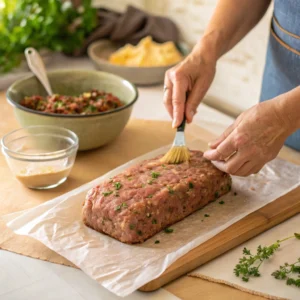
95	105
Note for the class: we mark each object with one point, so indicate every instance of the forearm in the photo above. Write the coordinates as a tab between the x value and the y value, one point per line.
288	106
231	21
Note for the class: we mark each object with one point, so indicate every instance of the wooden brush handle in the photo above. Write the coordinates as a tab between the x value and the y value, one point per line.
181	127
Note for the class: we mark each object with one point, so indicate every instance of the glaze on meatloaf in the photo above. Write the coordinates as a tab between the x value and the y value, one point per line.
138	203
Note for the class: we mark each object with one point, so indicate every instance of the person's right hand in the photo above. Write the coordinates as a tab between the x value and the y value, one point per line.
194	75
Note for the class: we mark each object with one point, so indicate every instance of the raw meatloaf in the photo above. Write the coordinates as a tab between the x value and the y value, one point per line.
135	205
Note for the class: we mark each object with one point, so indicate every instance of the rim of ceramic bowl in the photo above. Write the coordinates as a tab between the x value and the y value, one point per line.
15	104
43	156
182	47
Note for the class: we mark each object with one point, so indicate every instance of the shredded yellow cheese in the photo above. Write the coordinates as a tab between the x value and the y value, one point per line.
146	54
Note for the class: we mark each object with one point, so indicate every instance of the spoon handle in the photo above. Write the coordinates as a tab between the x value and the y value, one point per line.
36	65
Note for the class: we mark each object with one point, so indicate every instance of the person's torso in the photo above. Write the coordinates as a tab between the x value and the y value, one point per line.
282	69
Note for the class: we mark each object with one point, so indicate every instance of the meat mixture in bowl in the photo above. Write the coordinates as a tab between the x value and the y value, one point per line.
91	102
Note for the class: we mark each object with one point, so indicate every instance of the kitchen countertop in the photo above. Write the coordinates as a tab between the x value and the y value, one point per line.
26	278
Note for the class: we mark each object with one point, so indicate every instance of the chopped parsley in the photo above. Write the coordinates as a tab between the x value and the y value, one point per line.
235	193
169	230
217	195
191	185
131	226
118	185
150	181
107	193
139	232
171	191
206	215
157	242
150	196
155	174
221	202
154	221
119	207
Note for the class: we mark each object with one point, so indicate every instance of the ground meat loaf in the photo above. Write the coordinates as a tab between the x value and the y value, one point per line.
135	205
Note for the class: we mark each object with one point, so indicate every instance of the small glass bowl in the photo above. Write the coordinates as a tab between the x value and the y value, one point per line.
41	157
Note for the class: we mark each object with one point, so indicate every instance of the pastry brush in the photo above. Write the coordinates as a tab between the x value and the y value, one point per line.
179	152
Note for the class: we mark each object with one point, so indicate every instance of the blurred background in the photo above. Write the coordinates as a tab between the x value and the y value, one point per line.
237	83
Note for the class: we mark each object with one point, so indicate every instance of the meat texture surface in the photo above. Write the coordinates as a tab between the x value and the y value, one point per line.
138	203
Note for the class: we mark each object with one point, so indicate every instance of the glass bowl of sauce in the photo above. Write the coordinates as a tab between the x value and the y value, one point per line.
41	157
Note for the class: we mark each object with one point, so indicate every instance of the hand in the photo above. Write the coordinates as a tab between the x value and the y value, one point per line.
194	74
257	135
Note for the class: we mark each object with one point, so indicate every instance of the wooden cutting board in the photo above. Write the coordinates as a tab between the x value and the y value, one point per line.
252	225
139	137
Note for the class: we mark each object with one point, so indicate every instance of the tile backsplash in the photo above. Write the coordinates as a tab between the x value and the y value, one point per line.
238	80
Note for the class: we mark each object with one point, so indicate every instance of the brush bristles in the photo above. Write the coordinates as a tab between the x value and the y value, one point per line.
176	155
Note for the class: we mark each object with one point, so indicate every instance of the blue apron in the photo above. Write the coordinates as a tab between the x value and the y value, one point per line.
282	69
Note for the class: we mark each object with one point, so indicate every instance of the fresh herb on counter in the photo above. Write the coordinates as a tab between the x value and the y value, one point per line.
53	25
284	273
157	242
206	215
221	202
249	264
118	185
168	230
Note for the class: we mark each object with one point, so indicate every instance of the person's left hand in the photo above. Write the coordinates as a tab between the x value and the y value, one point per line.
257	136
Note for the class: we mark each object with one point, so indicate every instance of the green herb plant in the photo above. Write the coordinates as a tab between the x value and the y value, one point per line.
249	264
286	271
55	25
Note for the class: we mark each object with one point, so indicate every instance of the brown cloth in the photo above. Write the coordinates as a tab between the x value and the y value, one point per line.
130	27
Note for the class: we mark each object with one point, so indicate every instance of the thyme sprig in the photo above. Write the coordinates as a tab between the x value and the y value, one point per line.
285	272
249	264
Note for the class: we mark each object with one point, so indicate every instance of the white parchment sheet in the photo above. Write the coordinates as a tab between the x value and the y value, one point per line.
122	268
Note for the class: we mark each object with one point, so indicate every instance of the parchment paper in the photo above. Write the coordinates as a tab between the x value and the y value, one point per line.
122	268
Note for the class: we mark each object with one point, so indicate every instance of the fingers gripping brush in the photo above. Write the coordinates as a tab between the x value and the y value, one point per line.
179	152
